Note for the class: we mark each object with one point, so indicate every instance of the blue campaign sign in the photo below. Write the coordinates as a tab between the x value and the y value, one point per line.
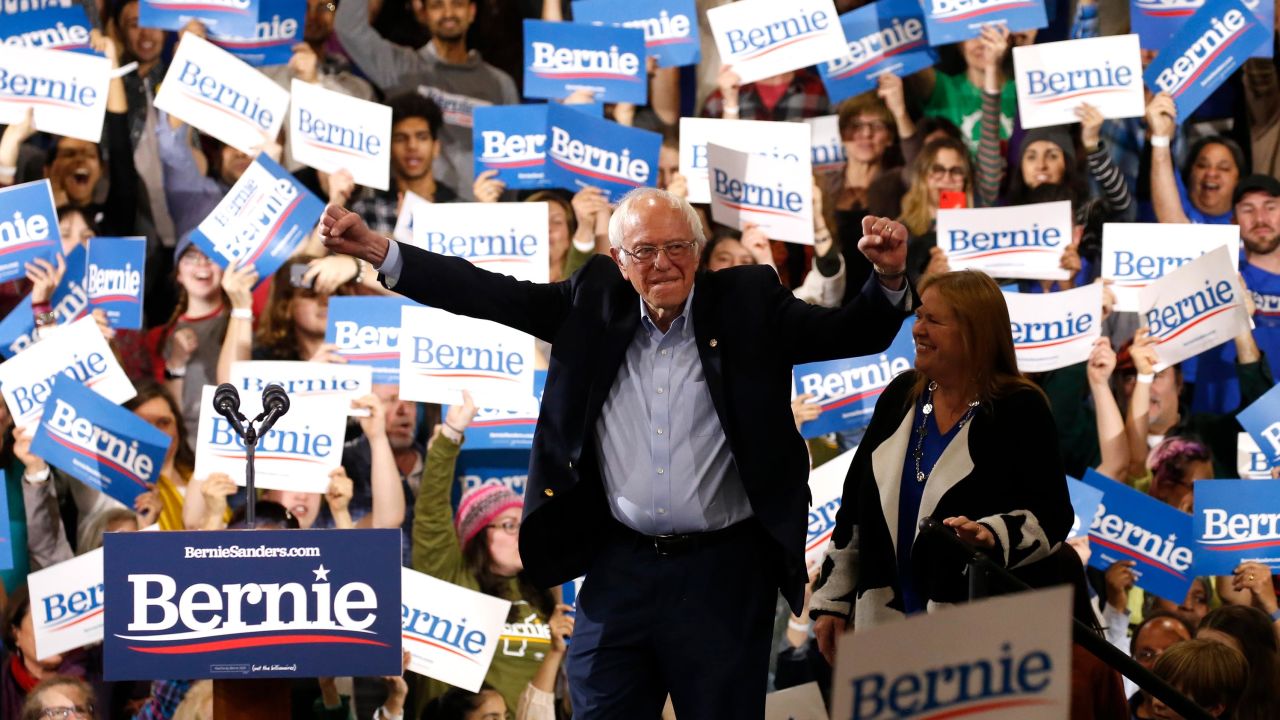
98	442
367	332
950	21
113	279
670	26
6	541
279	28
884	37
1130	525
1233	525
1262	421
263	219
239	604
28	227
70	303
511	139
1266	14
1084	501
586	151
476	468
848	389
48	28
505	429
1156	21
1208	48
234	18
561	58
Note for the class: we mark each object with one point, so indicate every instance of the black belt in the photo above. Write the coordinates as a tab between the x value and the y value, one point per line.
684	543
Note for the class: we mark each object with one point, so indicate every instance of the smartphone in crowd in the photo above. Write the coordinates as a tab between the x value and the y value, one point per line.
296	272
952	200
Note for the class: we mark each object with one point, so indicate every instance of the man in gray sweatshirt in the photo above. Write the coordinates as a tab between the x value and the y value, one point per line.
444	70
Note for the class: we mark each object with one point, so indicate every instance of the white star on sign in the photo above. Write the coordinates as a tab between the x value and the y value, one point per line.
322	573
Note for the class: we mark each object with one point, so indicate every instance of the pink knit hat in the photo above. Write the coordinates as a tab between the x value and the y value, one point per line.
480	506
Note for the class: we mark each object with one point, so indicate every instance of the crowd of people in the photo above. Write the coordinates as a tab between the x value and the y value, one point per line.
915	140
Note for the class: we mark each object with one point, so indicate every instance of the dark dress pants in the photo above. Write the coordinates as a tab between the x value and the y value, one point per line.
696	624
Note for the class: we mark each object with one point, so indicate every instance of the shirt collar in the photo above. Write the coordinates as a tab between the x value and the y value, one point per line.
683	324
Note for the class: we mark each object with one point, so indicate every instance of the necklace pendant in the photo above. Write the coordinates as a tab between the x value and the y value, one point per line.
920	476
928	408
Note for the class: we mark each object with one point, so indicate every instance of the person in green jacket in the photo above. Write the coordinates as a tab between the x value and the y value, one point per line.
478	549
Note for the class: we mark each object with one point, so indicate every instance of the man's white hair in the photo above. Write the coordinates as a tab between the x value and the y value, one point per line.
625	213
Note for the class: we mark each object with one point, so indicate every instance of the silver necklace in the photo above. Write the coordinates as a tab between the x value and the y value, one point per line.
922	429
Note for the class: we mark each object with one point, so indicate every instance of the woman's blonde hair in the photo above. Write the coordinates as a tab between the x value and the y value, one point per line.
917	208
985	335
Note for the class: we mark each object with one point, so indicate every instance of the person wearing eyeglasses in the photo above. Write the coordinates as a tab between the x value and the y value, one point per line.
666	465
60	697
941	175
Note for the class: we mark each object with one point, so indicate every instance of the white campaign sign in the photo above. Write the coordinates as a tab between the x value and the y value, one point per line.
442	354
1003	658
784	140
825	143
67	91
507	238
1019	241
450	632
762	38
66	604
1054	79
77	351
302	379
775	194
1251	462
213	91
330	131
296	455
1054	330
1136	254
826	488
802	702
1194	308
409	207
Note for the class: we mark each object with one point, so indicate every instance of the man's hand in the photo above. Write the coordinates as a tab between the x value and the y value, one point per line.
343	231
487	187
1119	580
884	243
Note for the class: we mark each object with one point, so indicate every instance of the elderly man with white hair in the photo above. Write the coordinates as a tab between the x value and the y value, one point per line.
666	466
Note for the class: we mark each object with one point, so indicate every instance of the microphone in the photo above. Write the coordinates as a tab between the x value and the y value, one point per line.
226	402
275	403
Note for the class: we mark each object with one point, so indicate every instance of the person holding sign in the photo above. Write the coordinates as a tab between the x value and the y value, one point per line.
666	463
964	438
1203	193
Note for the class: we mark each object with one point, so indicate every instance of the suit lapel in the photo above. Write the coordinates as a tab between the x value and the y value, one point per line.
620	330
886	465
707	333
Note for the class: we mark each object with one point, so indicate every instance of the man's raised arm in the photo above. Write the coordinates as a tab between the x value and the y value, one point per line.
448	283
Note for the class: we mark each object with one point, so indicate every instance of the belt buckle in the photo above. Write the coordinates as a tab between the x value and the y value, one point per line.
670	545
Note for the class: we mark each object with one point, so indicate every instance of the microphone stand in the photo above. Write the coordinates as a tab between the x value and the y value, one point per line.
250	437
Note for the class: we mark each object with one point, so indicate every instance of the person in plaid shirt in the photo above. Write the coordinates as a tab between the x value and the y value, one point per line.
415	141
790	96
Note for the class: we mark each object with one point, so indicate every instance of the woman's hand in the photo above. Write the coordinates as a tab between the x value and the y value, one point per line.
1102	362
182	346
487	188
338	496
216	489
148	507
325	275
22	450
1090	126
891	92
728	81
1256	579
679	185
45	277
238	281
327	353
971	532
459	417
341	185
561	624
1161	112
827	629
757	243
938	262
587	203
1119	581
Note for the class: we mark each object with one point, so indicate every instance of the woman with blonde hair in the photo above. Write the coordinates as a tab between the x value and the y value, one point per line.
965	439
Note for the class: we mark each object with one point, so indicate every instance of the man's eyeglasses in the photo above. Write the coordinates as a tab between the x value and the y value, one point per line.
872	126
76	712
940	171
676	251
510	527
